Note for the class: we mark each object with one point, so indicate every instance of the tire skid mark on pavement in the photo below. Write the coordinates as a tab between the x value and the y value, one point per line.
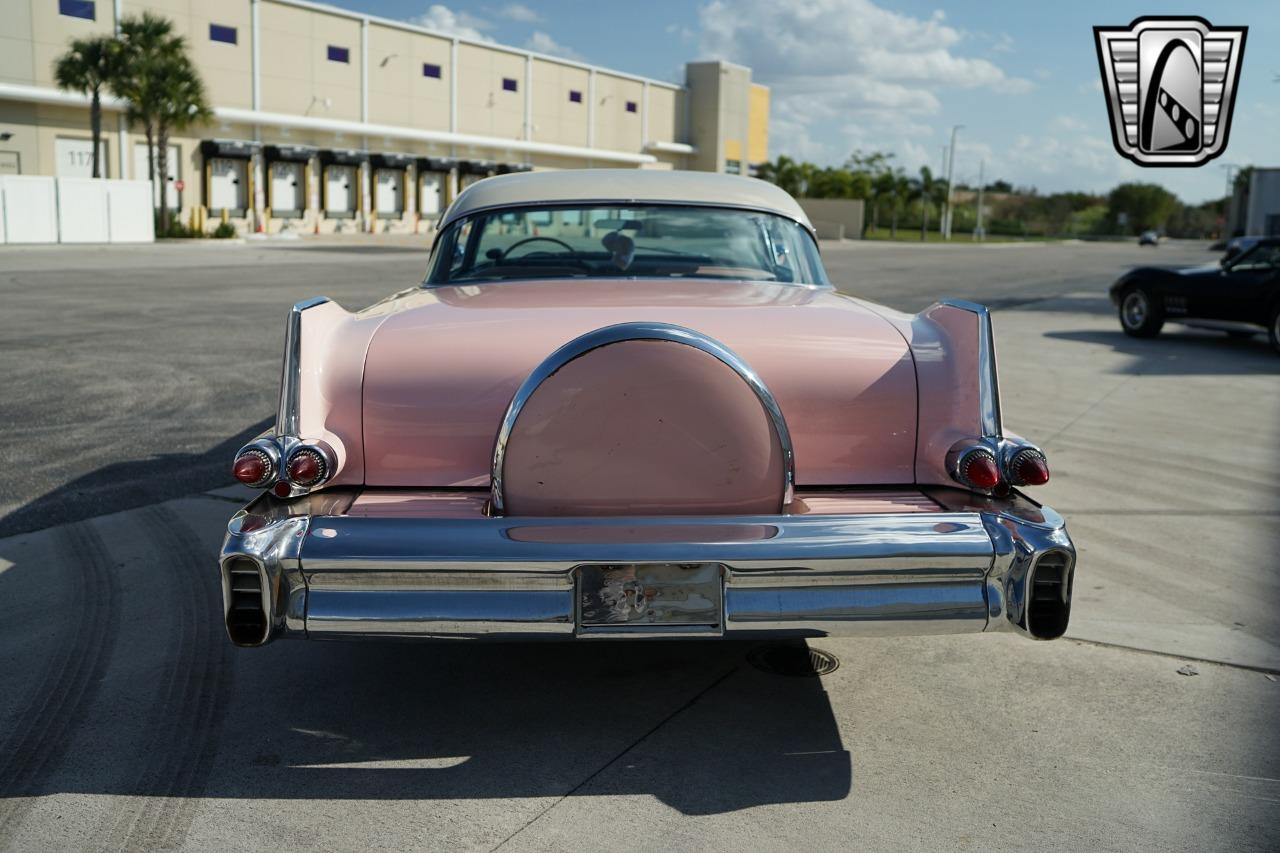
189	705
41	733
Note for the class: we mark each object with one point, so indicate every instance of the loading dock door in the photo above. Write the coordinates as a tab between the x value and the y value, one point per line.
388	197
173	165
339	190
287	189
228	185
74	158
431	193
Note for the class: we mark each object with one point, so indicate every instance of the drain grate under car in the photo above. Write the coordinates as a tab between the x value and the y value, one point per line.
797	661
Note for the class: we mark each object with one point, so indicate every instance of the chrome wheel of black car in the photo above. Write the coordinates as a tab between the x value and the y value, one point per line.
1139	314
1273	330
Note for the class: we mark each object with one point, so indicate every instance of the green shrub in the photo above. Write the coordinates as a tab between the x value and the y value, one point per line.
176	231
224	231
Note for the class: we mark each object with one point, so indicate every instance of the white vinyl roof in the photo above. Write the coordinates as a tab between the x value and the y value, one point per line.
634	186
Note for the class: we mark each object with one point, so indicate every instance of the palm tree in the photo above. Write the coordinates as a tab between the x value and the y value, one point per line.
791	176
901	188
883	186
146	42
163	90
89	65
182	104
928	190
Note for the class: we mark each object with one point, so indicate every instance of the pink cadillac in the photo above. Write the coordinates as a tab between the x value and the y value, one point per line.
629	403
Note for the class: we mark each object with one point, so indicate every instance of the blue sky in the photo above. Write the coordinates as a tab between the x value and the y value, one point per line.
895	76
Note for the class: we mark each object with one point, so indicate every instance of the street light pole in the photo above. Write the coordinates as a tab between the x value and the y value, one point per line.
1226	202
951	175
977	230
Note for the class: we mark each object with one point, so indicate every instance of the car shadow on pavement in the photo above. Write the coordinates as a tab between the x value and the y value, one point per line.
1183	351
125	485
692	724
120	681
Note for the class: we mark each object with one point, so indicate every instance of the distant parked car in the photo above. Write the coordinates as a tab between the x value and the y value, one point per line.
628	403
1243	290
1148	238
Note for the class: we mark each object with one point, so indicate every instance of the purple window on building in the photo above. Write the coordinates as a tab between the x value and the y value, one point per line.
77	9
217	32
575	96
339	54
509	84
631	106
430	69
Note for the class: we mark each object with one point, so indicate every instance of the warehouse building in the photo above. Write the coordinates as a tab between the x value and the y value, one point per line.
327	120
1255	205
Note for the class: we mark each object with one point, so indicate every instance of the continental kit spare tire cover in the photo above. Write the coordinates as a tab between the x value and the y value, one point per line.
643	427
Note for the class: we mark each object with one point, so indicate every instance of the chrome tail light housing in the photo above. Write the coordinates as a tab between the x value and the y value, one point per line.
1026	465
288	466
993	465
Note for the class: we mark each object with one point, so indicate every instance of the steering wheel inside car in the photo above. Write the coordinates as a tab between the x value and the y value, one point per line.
520	243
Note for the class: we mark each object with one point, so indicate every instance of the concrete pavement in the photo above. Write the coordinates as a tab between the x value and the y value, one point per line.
130	723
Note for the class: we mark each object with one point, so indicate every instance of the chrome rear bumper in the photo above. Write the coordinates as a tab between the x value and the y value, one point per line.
305	568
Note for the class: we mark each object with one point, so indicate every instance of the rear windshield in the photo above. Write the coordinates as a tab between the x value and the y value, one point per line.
649	241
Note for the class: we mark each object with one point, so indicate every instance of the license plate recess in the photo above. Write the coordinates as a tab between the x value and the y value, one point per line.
650	599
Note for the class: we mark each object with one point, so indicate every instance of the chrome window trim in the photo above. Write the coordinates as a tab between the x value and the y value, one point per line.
290	380
988	378
618	333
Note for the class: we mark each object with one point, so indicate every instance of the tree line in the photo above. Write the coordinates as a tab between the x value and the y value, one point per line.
889	193
147	66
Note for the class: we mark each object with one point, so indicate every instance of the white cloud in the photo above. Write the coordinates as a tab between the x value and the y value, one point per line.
521	13
1003	44
462	24
540	42
849	61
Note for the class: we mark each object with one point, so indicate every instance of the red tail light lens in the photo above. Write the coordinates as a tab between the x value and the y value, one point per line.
978	469
307	467
253	468
1029	468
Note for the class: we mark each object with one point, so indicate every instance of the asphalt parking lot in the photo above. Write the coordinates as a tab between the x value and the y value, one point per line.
130	376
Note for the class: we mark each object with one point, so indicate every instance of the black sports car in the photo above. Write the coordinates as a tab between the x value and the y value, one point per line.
1244	289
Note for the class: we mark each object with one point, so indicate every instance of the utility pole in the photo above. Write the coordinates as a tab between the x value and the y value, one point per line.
951	175
1226	204
977	230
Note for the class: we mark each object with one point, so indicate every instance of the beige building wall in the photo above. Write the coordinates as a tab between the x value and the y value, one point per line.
297	75
720	112
399	92
616	128
17	47
556	119
484	106
50	33
705	130
662	115
20	153
758	125
722	101
227	69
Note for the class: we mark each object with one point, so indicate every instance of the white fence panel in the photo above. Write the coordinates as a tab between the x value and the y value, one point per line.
129	210
82	210
30	208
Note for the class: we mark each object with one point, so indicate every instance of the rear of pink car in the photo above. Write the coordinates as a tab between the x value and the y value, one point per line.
581	457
